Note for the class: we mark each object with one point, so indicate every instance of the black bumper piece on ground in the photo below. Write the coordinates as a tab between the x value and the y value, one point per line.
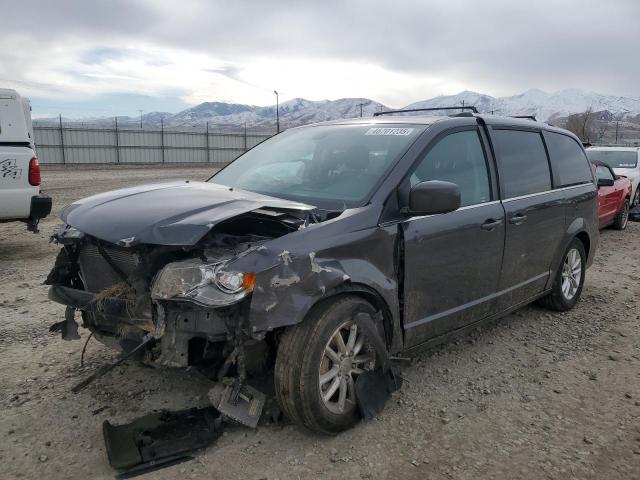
159	439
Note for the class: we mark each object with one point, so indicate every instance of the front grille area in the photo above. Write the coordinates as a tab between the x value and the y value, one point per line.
96	272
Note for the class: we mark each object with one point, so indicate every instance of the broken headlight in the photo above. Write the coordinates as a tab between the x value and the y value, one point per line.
229	282
210	285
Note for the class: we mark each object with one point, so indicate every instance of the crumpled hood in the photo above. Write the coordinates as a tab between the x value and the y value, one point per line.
170	213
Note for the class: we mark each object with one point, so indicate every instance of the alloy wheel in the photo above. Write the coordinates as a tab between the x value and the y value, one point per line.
346	355
625	216
571	273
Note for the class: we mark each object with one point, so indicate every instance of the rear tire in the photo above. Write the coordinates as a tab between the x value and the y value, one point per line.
302	359
621	220
567	288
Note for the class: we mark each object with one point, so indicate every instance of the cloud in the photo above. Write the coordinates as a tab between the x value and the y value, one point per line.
395	52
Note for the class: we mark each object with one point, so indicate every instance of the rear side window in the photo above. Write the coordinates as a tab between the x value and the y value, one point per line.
568	161
524	168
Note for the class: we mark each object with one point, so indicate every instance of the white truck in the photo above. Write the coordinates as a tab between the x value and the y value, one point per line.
20	195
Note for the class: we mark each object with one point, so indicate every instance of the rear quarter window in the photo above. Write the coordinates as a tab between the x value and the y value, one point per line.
569	163
522	158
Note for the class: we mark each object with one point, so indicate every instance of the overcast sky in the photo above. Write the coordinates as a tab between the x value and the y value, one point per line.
97	58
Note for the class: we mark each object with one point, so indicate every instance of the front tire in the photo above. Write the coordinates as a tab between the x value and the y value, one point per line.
621	220
567	286
636	197
318	362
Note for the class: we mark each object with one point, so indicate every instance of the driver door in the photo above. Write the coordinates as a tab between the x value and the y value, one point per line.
452	261
607	196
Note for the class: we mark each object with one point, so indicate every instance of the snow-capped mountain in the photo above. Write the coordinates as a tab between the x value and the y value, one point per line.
293	112
299	111
544	106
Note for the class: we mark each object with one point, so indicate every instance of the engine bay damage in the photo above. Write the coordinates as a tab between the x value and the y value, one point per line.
222	303
181	295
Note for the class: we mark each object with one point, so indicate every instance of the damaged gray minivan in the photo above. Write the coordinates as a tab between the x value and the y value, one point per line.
423	226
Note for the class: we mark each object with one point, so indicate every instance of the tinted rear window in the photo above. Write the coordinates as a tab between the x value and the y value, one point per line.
524	168
568	161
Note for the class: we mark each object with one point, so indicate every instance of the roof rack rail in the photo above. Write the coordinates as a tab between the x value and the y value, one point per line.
621	145
472	108
530	117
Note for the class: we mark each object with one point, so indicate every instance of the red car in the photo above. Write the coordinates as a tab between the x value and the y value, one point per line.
614	196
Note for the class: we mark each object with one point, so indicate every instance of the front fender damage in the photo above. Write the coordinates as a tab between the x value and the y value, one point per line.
292	272
290	286
296	272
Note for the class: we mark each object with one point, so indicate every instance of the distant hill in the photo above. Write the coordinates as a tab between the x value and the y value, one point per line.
544	106
299	111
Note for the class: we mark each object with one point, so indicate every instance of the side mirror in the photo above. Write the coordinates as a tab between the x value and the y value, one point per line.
434	196
605	182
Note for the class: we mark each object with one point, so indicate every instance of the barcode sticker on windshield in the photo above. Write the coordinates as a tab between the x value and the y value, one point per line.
389	131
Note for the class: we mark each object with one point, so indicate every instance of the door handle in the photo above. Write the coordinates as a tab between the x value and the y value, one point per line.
517	219
490	224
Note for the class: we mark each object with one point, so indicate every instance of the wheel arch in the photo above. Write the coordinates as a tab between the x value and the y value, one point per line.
390	328
576	230
583	236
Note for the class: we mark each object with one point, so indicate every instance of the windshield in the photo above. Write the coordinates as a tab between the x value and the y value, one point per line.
333	166
614	158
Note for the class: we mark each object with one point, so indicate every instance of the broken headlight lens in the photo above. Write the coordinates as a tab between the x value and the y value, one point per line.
206	284
230	282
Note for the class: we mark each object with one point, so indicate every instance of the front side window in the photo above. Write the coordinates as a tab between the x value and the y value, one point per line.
524	168
457	158
568	161
604	173
614	158
333	166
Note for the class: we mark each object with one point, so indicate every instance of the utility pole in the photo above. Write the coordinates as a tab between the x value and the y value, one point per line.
277	113
140	118
617	124
360	105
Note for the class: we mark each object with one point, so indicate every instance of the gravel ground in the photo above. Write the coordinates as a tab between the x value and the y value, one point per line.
534	395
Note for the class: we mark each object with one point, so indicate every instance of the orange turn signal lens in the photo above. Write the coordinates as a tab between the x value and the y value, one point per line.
249	281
